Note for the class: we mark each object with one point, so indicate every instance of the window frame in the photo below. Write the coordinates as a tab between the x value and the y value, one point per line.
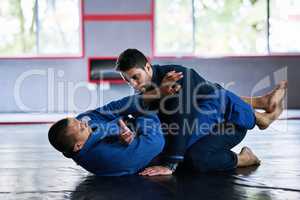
62	56
229	55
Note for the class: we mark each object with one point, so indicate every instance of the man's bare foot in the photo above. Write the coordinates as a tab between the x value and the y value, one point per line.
247	158
275	97
263	120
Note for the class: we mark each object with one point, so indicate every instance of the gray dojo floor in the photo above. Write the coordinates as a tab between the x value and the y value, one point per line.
31	169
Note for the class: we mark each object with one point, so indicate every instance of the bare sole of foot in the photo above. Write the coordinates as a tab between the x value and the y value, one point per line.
247	158
275	97
264	120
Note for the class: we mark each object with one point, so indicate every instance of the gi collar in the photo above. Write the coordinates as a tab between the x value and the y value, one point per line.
154	74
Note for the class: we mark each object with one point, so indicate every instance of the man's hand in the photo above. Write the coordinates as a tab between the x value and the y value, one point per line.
126	135
168	85
155	171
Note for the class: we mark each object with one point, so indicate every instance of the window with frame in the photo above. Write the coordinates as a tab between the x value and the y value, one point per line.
284	26
40	28
226	27
174	27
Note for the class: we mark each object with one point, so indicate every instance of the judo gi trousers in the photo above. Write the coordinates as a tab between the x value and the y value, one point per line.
212	152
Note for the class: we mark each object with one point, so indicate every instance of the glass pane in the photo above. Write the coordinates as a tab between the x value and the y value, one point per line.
18	31
230	27
57	33
173	27
59	27
284	26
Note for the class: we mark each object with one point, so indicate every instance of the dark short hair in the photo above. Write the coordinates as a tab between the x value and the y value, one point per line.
131	58
60	139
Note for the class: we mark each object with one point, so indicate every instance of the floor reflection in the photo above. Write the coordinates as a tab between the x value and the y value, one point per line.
31	169
181	186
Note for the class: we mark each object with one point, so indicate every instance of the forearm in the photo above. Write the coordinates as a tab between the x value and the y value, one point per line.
134	105
168	86
175	149
150	96
174	153
176	139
